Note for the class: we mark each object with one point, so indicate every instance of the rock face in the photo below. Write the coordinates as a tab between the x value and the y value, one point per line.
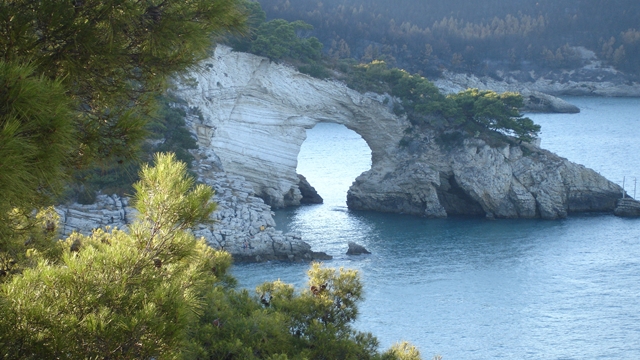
476	179
252	119
627	207
107	210
255	113
243	226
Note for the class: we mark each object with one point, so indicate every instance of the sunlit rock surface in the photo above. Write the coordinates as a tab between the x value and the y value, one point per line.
250	115
254	116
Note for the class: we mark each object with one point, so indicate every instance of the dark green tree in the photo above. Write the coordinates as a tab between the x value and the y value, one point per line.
278	39
79	81
493	111
156	292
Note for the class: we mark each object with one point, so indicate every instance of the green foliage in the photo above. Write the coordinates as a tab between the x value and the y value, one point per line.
470	111
316	70
112	57
169	127
481	37
421	100
79	81
278	39
282	323
497	112
403	351
167	132
158	293
33	233
281	40
113	294
36	136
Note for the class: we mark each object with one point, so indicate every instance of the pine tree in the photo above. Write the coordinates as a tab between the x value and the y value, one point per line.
79	81
156	292
115	294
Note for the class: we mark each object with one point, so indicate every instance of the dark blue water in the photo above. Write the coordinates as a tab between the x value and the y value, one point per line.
479	289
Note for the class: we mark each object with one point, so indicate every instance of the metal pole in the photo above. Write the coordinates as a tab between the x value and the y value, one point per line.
623	178
635	183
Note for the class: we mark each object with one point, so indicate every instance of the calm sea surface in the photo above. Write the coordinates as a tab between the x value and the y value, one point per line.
480	289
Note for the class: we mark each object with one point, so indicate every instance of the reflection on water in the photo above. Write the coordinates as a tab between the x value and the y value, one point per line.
470	288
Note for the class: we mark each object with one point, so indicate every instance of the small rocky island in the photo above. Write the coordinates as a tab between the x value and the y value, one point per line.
253	116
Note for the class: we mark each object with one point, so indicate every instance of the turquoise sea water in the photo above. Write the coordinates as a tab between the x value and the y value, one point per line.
478	289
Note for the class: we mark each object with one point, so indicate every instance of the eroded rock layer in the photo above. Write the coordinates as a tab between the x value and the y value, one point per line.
255	113
243	226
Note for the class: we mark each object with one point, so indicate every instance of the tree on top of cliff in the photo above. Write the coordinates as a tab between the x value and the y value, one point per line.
497	112
423	103
79	80
278	39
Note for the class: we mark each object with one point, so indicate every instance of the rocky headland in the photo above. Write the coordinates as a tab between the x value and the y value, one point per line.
255	113
253	116
541	88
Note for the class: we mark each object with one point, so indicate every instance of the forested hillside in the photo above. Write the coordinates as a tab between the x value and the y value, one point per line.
427	36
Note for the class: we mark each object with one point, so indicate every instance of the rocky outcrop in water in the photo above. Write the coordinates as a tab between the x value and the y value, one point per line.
473	178
534	100
308	192
255	112
627	207
252	118
539	89
356	249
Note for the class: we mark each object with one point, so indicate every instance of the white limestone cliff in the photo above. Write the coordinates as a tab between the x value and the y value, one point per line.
253	116
255	113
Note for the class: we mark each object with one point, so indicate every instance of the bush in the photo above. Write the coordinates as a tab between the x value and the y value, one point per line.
156	292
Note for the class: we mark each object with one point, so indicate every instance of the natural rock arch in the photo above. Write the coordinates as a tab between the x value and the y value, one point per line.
254	114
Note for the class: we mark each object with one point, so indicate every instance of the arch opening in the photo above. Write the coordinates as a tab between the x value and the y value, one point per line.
330	158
